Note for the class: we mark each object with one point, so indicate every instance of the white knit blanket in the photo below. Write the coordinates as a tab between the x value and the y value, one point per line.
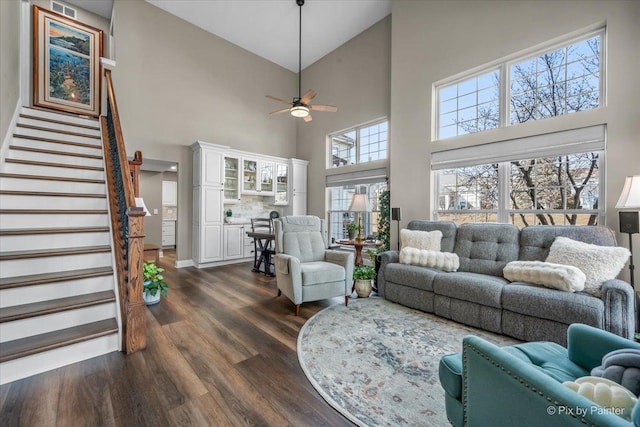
445	261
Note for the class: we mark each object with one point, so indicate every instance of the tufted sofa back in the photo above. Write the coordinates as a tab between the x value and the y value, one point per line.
536	240
447	228
301	237
486	248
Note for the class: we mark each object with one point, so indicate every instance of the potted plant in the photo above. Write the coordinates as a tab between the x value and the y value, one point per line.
352	229
154	284
363	276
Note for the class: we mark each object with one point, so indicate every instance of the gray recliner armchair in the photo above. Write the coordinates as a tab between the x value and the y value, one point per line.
305	269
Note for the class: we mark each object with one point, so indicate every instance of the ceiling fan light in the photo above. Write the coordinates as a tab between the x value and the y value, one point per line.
299	111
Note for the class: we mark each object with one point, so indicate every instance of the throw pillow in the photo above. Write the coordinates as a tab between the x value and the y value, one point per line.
605	393
622	367
598	263
428	240
556	276
445	261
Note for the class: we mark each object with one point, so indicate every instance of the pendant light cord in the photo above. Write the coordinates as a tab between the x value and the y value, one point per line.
300	55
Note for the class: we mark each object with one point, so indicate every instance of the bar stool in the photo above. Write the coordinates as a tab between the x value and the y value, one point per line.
263	250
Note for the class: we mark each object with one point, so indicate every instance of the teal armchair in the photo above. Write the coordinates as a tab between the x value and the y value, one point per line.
487	385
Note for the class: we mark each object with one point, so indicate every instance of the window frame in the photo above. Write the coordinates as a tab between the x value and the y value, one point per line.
357	129
503	66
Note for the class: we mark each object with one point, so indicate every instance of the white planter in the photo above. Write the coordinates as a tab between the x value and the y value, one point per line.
363	288
150	299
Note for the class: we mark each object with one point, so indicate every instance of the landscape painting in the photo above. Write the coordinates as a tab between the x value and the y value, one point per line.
66	64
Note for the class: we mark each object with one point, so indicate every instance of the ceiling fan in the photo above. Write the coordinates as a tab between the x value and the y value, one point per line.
301	105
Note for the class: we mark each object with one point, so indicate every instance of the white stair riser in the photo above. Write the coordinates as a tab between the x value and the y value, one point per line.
19	184
52	241
23	328
51	264
41	362
62	117
53	220
36	293
44	145
51	202
53	171
55	135
54	158
58	126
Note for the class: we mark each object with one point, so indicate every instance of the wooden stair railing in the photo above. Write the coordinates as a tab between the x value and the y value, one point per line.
127	225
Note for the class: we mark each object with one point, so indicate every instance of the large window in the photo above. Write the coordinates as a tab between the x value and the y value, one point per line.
340	216
552	82
555	190
362	144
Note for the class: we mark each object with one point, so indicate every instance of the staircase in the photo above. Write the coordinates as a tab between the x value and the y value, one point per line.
57	285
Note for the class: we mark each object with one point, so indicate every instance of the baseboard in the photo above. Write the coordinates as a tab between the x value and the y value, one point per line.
6	141
220	263
184	263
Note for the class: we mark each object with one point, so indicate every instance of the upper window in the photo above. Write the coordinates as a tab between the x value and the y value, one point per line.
361	144
550	83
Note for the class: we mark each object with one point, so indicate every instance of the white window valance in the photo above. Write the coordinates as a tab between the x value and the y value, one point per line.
368	176
573	141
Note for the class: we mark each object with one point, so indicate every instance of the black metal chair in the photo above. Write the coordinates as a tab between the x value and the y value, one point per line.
264	249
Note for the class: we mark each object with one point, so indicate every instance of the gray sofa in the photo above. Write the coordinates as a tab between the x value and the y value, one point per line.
478	295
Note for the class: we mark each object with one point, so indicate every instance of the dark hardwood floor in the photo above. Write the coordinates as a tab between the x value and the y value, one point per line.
221	351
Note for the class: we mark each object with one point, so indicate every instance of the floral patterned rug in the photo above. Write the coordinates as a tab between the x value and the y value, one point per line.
376	362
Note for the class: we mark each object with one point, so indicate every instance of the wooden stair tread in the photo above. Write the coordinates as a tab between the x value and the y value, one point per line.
52	194
58	276
52	230
25	311
59	122
39	343
39	253
61	113
55	211
54	165
58	141
55	152
64	132
51	178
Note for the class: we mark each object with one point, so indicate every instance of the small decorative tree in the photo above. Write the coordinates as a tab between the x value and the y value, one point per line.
384	221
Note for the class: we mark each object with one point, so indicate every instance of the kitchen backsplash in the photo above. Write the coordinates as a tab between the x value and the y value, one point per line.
252	207
169	213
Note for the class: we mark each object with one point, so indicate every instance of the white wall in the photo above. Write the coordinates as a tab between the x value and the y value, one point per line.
9	62
176	83
434	40
355	78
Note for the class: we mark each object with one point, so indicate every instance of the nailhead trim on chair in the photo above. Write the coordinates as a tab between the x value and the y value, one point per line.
483	355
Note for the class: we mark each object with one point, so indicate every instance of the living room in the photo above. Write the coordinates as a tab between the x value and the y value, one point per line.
177	84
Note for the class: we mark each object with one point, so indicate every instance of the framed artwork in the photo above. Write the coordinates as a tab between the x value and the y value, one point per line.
66	67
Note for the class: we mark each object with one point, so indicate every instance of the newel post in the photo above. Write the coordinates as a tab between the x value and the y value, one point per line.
136	331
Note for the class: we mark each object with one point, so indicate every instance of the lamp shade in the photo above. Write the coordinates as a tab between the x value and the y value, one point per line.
630	197
299	111
359	203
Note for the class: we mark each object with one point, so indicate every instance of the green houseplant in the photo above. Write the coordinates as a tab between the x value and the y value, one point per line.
154	284
352	229
363	276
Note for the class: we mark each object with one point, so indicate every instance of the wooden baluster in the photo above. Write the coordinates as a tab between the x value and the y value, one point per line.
136	336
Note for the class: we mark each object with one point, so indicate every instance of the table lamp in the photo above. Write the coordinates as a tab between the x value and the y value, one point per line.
359	204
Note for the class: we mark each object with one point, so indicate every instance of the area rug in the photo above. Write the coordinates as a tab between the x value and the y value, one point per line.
376	362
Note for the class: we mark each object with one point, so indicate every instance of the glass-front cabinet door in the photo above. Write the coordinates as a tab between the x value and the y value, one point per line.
250	176
282	184
231	182
267	173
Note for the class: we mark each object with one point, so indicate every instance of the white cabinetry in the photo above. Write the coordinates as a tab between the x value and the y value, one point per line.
168	233
298	178
231	179
258	176
208	193
233	241
282	184
169	193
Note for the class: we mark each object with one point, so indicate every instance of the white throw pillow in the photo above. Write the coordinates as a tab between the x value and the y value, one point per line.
556	276
445	261
605	393
598	263
428	240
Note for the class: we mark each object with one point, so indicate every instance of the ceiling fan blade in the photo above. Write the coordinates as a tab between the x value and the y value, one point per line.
328	108
308	96
286	110
279	99
307	118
